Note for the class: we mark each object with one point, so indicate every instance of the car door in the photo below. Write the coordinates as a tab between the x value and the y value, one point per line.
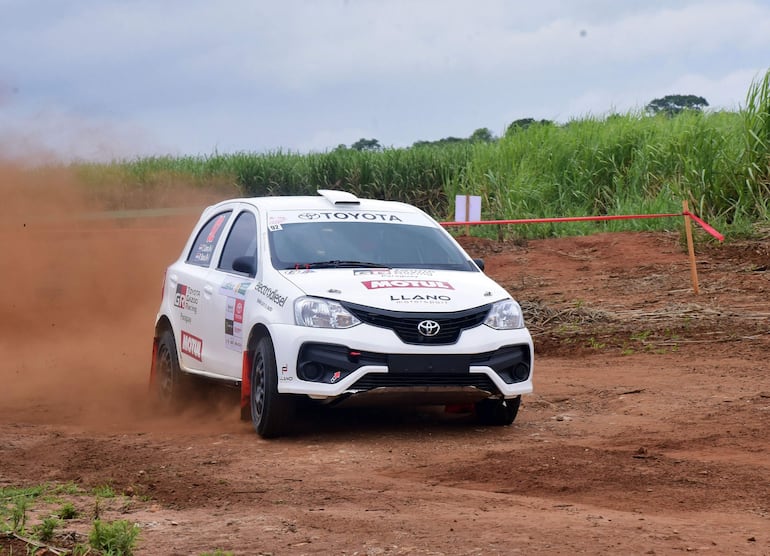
191	294
229	285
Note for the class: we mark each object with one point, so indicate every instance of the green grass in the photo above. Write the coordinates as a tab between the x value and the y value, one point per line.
620	164
114	538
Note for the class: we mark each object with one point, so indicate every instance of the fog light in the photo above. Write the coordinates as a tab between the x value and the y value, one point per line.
521	372
311	371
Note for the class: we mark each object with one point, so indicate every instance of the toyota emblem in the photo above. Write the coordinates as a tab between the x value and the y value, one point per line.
428	328
309	216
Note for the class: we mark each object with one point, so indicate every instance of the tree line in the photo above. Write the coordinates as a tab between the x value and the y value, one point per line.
669	106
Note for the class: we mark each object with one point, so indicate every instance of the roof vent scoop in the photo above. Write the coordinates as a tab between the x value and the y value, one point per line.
339	197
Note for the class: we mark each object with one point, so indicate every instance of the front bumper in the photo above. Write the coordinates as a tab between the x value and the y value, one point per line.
328	366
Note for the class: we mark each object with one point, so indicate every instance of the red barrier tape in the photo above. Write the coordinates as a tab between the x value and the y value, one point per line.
702	224
705	226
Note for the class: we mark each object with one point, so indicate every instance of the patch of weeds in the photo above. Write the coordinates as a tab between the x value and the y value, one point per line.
14	503
66	488
67	511
45	529
104	491
126	506
19	514
217	552
593	343
81	549
641	336
115	538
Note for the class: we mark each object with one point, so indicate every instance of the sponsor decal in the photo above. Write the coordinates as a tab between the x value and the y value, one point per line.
234	309
335	377
422	299
186	319
238	310
271	294
187	298
394	272
180	299
370	216
202	257
218	224
274	223
234	289
428	284
298	271
285	377
192	346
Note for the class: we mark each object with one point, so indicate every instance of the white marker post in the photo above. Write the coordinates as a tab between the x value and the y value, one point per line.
467	209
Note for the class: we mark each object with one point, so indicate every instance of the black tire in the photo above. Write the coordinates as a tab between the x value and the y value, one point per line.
498	413
171	386
271	412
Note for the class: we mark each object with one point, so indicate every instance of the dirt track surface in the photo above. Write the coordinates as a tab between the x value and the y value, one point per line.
647	433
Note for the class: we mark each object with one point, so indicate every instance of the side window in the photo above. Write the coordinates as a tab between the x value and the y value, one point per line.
204	245
242	242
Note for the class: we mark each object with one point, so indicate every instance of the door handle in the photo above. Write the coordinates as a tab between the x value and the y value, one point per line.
208	290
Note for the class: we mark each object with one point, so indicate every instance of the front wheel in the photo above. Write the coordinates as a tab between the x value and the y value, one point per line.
271	412
498	412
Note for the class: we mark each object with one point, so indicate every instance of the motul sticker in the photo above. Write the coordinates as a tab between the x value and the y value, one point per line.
433	284
192	346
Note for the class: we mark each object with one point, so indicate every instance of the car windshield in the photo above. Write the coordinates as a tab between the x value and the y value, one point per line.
363	244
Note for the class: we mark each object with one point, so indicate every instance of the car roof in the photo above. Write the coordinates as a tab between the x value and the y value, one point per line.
326	200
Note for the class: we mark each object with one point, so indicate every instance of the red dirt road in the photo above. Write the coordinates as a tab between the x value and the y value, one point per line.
647	434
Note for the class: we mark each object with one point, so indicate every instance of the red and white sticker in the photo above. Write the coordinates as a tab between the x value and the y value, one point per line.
192	346
429	284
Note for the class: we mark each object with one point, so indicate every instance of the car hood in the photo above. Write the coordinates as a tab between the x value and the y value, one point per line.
416	290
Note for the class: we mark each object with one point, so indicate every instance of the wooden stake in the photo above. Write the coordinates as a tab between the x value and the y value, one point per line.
690	248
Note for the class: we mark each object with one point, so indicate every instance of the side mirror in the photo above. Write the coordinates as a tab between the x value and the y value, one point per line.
479	263
246	264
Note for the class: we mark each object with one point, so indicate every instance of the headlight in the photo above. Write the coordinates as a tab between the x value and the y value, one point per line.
322	313
505	315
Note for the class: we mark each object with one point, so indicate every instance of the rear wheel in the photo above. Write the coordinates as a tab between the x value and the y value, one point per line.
271	412
498	412
172	387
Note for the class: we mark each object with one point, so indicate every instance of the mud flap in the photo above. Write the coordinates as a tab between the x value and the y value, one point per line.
155	342
246	386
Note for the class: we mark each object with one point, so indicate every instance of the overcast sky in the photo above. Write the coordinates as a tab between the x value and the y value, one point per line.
104	79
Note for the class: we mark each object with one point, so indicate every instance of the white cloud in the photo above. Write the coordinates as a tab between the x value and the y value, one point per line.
310	74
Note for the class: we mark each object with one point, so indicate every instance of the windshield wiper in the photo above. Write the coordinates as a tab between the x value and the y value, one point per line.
341	264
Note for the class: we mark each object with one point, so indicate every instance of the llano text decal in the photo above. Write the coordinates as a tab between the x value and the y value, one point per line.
430	284
420	298
192	346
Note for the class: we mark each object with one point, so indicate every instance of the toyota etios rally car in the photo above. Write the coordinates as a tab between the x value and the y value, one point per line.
338	299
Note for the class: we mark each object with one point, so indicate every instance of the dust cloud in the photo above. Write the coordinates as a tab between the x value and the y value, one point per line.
79	296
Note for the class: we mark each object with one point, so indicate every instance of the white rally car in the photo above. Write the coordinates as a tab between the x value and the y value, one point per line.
338	299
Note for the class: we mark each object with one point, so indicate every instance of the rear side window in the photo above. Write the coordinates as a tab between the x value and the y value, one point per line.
203	248
241	242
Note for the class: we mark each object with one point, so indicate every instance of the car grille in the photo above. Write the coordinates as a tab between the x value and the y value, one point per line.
389	380
404	324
